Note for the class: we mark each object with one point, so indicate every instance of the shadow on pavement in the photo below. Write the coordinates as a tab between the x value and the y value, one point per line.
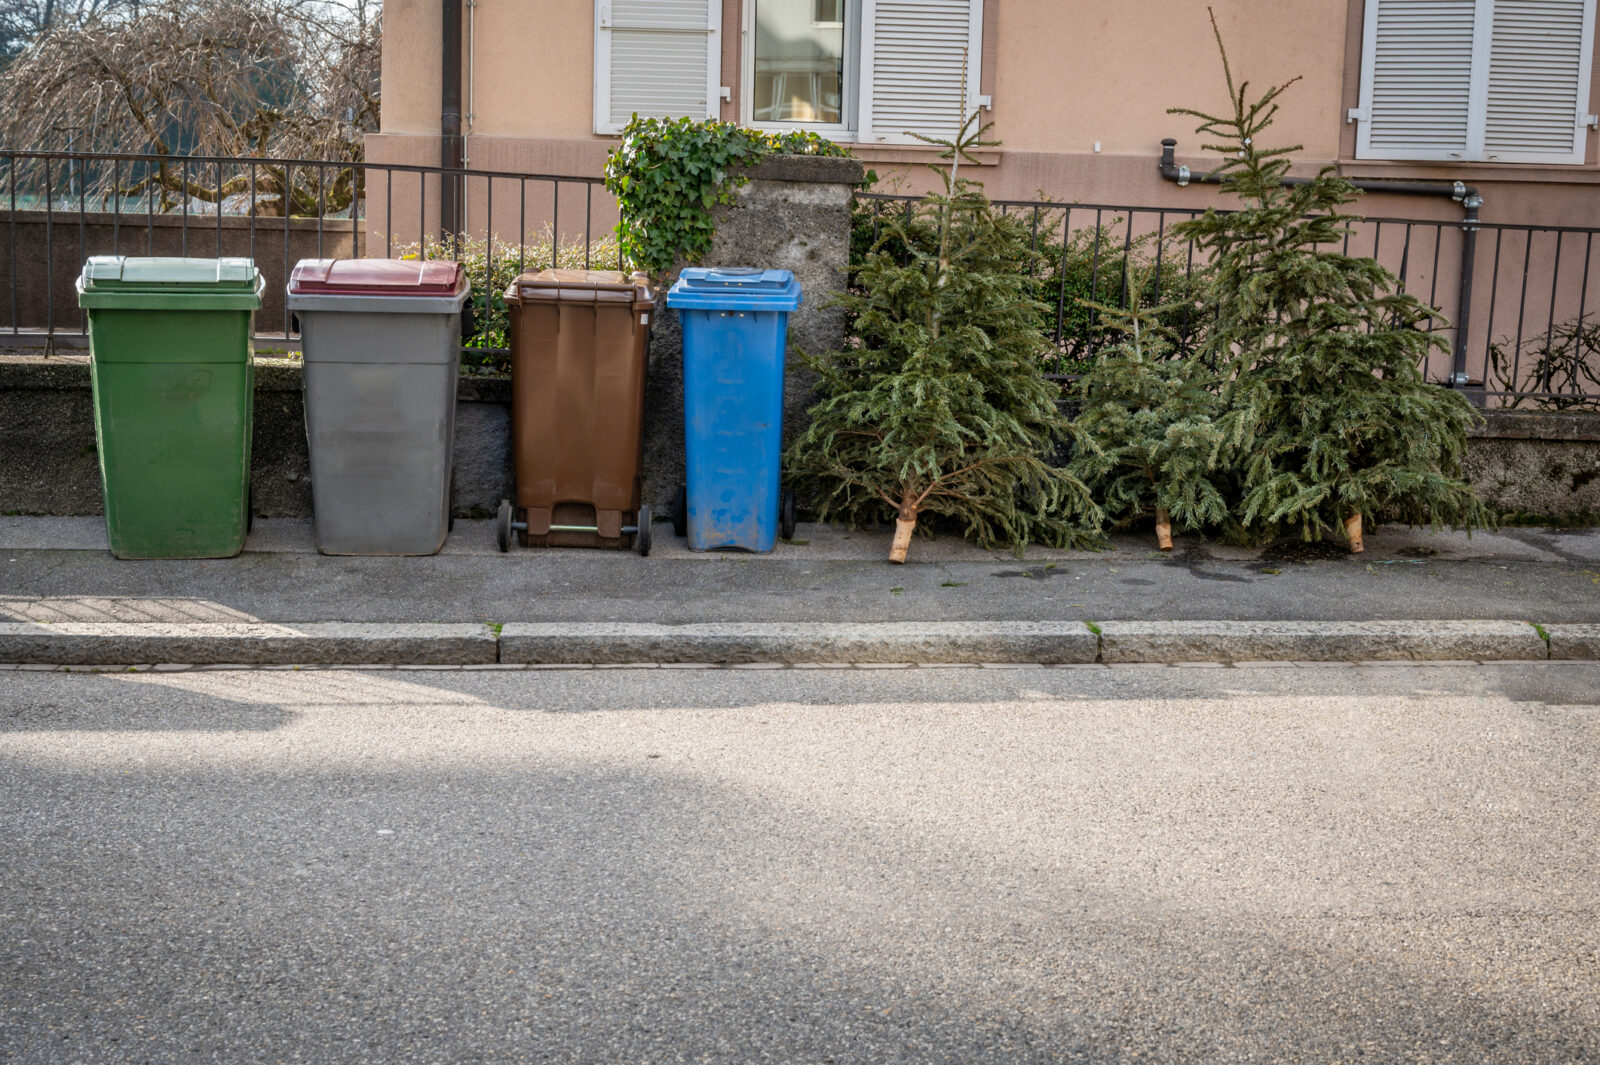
586	691
32	706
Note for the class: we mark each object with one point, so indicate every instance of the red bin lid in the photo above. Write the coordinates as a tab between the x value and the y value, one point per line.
375	277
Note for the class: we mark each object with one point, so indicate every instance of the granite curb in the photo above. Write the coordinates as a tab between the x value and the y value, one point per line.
1319	641
798	643
254	643
1574	641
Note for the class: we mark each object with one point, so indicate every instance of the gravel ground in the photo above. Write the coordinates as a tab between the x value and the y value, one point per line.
929	865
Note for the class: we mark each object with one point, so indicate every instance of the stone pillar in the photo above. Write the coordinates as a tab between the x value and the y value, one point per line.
793	214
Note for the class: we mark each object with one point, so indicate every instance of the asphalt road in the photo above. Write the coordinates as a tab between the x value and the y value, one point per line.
1094	864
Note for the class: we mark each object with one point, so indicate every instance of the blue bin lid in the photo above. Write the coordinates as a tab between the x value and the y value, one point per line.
734	289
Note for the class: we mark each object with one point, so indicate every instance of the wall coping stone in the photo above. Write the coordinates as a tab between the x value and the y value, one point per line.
28	372
57	372
134	222
821	169
483	388
1539	425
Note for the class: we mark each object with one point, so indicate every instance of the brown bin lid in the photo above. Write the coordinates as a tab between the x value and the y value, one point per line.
583	286
375	277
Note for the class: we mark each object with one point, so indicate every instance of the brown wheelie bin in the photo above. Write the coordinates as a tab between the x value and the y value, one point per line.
580	340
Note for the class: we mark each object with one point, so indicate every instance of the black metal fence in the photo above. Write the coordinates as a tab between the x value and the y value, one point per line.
1522	302
61	208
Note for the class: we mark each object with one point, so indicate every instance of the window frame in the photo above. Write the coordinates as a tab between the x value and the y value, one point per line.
840	5
843	131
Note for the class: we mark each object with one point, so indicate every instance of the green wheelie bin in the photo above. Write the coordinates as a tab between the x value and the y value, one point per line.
169	354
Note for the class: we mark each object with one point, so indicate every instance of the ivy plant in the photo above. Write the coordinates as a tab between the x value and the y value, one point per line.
668	174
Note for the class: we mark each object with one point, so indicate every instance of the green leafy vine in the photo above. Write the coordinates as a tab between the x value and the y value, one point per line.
668	174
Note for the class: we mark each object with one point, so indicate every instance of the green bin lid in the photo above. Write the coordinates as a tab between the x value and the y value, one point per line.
124	273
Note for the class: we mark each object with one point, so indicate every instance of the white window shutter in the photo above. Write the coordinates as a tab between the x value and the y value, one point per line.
1502	81
919	62
1417	79
659	58
1540	53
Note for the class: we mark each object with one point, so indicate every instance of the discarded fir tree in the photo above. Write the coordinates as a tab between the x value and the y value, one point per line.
1328	417
942	408
1147	436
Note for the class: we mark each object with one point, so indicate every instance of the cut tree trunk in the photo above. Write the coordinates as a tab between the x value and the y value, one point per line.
1163	529
905	524
1352	532
902	539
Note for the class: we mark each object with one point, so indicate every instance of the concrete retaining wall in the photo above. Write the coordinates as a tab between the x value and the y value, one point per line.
1538	464
48	462
1532	463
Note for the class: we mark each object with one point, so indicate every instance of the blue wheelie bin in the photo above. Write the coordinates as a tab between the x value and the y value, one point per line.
735	330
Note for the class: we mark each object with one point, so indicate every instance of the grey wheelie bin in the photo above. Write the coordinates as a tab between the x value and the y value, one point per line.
382	344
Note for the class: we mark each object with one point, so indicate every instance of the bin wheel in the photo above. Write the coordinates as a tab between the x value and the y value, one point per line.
249	508
450	504
786	514
680	512
502	526
641	539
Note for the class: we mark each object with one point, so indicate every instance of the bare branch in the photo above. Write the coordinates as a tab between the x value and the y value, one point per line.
280	78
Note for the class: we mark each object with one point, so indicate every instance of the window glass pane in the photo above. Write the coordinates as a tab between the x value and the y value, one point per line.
799	61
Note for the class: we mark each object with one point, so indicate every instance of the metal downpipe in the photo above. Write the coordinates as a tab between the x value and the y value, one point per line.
1460	192
451	144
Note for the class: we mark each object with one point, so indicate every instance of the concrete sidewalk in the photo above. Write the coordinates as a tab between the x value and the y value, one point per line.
828	596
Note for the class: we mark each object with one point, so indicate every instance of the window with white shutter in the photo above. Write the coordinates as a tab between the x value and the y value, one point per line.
1540	55
656	58
800	63
919	67
1486	80
874	70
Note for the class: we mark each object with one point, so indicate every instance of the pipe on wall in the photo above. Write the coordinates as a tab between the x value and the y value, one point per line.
1466	195
472	81
452	147
1460	192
